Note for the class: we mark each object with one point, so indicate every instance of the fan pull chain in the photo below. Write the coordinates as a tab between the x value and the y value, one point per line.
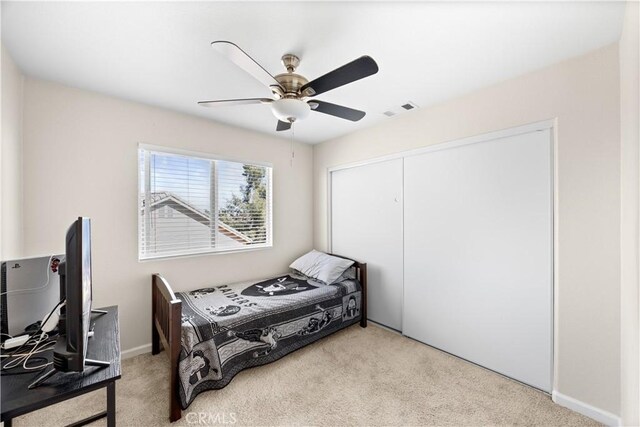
293	153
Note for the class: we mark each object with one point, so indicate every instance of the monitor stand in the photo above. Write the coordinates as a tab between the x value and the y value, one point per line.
87	362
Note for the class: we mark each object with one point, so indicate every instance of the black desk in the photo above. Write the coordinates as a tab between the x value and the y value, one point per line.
104	345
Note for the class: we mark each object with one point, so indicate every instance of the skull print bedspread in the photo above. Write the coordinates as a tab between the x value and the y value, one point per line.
228	328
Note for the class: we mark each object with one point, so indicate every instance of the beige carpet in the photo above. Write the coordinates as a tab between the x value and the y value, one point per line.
354	377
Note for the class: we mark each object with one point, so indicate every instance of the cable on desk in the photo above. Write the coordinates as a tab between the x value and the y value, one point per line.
39	345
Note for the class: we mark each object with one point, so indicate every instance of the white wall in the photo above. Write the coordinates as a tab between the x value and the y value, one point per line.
11	159
583	95
80	151
630	192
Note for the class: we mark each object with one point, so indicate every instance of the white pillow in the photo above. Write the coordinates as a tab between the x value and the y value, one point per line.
321	266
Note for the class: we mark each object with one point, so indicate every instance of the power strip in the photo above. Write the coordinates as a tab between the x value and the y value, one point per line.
15	342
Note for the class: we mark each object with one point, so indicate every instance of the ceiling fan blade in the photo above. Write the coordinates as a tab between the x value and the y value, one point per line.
244	61
354	70
232	102
283	126
336	110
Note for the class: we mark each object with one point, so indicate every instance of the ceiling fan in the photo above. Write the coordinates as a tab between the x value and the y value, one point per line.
291	90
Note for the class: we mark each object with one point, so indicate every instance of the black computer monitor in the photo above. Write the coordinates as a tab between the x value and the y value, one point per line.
70	352
75	288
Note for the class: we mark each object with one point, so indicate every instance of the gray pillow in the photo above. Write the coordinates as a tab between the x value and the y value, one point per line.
349	274
321	266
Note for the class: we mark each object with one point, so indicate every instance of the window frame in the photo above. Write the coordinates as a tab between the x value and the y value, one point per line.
163	150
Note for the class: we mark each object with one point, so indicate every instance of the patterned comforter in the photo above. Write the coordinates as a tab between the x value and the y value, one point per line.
228	328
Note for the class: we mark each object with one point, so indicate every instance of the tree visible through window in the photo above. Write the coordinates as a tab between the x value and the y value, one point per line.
248	210
192	204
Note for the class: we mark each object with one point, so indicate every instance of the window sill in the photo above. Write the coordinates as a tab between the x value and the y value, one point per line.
204	253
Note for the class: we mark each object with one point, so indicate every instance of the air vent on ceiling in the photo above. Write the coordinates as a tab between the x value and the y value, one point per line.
401	109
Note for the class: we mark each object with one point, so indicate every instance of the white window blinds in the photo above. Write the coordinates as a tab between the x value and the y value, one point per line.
190	204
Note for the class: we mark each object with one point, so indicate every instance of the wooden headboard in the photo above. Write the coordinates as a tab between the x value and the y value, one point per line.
361	275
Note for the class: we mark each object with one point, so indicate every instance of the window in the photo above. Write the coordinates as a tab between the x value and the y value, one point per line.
191	204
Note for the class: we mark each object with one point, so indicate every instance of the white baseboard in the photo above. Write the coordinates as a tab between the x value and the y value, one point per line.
380	325
132	352
597	414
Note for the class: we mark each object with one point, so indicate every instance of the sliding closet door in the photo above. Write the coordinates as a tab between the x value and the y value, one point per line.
366	224
478	254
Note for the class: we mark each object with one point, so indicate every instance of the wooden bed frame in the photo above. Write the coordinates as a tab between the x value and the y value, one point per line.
166	319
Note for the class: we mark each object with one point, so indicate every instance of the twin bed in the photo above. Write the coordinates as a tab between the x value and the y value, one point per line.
213	333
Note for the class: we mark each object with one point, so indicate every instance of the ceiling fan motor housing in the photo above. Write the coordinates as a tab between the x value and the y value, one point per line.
291	82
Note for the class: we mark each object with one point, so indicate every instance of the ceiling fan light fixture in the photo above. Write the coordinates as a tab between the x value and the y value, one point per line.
290	110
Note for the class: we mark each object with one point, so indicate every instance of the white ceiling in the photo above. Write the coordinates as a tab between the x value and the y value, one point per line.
159	53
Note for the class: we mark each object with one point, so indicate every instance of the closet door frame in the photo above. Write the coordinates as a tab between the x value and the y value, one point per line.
549	124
